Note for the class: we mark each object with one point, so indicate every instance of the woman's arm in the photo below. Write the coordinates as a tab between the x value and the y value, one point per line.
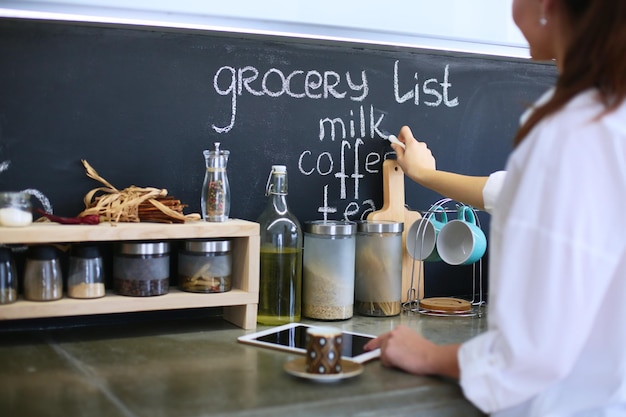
418	163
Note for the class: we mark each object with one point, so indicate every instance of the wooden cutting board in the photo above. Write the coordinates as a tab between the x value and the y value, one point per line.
394	210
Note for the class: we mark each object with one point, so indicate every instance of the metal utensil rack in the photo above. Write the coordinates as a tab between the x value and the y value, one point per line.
414	295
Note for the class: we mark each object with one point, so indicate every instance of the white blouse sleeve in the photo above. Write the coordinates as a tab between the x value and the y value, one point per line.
492	189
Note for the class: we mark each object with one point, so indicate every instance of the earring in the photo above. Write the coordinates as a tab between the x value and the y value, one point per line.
543	21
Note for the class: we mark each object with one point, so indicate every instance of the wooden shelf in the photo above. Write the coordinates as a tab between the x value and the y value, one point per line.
57	233
240	303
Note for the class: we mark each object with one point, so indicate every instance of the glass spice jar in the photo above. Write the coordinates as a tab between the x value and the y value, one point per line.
141	269
43	279
85	277
205	266
15	209
8	277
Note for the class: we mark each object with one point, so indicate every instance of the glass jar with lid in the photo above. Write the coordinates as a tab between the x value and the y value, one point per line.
43	279
142	269
205	266
328	270
85	278
8	277
378	268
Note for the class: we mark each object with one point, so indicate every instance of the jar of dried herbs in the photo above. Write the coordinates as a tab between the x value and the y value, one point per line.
142	269
205	266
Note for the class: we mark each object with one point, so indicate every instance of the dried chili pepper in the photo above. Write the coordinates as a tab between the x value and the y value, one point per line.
89	219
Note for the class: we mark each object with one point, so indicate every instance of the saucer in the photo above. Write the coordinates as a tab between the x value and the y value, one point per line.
297	367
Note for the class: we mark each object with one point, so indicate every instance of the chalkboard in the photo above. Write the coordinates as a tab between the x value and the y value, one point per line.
141	104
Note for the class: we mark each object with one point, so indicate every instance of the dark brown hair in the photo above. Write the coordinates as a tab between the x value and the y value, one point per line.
596	58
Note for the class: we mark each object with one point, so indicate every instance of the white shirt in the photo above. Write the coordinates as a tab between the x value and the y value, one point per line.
556	339
492	187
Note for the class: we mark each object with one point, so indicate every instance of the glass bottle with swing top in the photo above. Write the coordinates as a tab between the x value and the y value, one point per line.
281	240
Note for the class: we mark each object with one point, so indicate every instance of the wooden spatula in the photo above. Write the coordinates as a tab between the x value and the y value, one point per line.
394	210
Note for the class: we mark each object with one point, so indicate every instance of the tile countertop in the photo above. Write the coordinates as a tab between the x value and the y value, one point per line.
193	366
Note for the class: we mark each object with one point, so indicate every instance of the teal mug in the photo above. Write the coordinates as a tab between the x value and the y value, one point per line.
421	239
462	241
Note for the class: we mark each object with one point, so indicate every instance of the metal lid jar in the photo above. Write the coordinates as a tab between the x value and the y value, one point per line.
378	268
205	266
328	270
142	269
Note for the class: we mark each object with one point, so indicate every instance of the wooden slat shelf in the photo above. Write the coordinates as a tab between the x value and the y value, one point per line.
57	233
240	303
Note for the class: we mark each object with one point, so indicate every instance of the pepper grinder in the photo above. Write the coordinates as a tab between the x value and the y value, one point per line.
215	190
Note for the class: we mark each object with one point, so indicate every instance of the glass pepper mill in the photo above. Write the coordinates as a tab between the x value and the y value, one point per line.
215	190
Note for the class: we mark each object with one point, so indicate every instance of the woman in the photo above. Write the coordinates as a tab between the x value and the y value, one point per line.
556	340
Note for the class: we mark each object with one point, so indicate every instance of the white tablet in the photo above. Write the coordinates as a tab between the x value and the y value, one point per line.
292	338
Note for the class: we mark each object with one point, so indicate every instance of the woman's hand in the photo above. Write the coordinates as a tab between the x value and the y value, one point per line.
405	349
418	164
416	160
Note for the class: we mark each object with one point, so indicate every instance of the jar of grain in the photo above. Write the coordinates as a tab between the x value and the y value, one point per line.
142	269
328	270
43	279
378	268
85	277
8	277
205	266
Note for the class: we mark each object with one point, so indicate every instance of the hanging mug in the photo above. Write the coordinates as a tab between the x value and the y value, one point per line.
461	241
421	238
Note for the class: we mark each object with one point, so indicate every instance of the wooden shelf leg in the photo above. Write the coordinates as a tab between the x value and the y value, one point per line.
243	316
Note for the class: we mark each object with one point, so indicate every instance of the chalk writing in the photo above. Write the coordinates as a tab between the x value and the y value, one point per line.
312	84
375	120
344	133
427	89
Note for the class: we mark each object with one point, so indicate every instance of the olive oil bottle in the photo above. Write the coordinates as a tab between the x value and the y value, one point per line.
280	292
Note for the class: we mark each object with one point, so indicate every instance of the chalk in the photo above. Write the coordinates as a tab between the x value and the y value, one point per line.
394	139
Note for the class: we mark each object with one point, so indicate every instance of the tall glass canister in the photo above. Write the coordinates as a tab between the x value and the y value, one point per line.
378	268
328	270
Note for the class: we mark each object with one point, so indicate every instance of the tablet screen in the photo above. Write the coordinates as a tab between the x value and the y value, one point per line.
292	337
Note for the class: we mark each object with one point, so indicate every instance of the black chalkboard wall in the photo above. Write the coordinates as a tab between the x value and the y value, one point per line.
141	104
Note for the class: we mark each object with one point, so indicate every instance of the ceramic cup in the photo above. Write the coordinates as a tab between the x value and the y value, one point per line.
323	350
421	238
461	241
